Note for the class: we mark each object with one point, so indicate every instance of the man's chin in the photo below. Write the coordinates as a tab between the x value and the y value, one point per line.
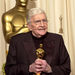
41	34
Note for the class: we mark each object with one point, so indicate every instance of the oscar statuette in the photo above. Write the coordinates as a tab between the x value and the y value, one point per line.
40	54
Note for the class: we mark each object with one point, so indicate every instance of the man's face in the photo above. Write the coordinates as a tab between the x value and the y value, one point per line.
22	2
38	25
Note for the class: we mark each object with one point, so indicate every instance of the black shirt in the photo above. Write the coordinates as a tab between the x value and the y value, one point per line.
38	41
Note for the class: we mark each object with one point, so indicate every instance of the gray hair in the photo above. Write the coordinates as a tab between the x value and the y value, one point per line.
32	12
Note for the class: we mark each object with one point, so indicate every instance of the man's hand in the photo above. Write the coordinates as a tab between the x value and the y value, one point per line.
40	66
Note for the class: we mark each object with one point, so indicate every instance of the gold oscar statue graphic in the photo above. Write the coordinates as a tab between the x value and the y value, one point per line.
14	20
40	54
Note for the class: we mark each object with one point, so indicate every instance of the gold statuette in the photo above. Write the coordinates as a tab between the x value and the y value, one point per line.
14	21
40	54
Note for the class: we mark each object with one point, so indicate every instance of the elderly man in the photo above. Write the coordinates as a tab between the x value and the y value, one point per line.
22	59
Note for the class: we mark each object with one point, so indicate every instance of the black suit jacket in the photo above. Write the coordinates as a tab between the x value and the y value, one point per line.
22	53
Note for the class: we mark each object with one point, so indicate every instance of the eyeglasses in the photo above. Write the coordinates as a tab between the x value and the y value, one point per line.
38	22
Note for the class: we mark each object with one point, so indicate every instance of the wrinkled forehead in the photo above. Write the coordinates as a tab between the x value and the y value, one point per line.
39	16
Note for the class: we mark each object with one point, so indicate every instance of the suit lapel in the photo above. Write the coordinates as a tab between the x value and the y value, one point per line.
30	49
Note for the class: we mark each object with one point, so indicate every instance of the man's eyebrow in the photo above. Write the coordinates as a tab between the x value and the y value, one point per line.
37	20
40	20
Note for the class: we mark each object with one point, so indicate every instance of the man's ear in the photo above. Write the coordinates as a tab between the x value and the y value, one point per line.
29	26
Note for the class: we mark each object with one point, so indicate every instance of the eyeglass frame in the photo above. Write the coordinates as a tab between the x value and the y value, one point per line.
38	22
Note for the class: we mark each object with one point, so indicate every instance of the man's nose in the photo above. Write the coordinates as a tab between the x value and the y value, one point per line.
42	23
